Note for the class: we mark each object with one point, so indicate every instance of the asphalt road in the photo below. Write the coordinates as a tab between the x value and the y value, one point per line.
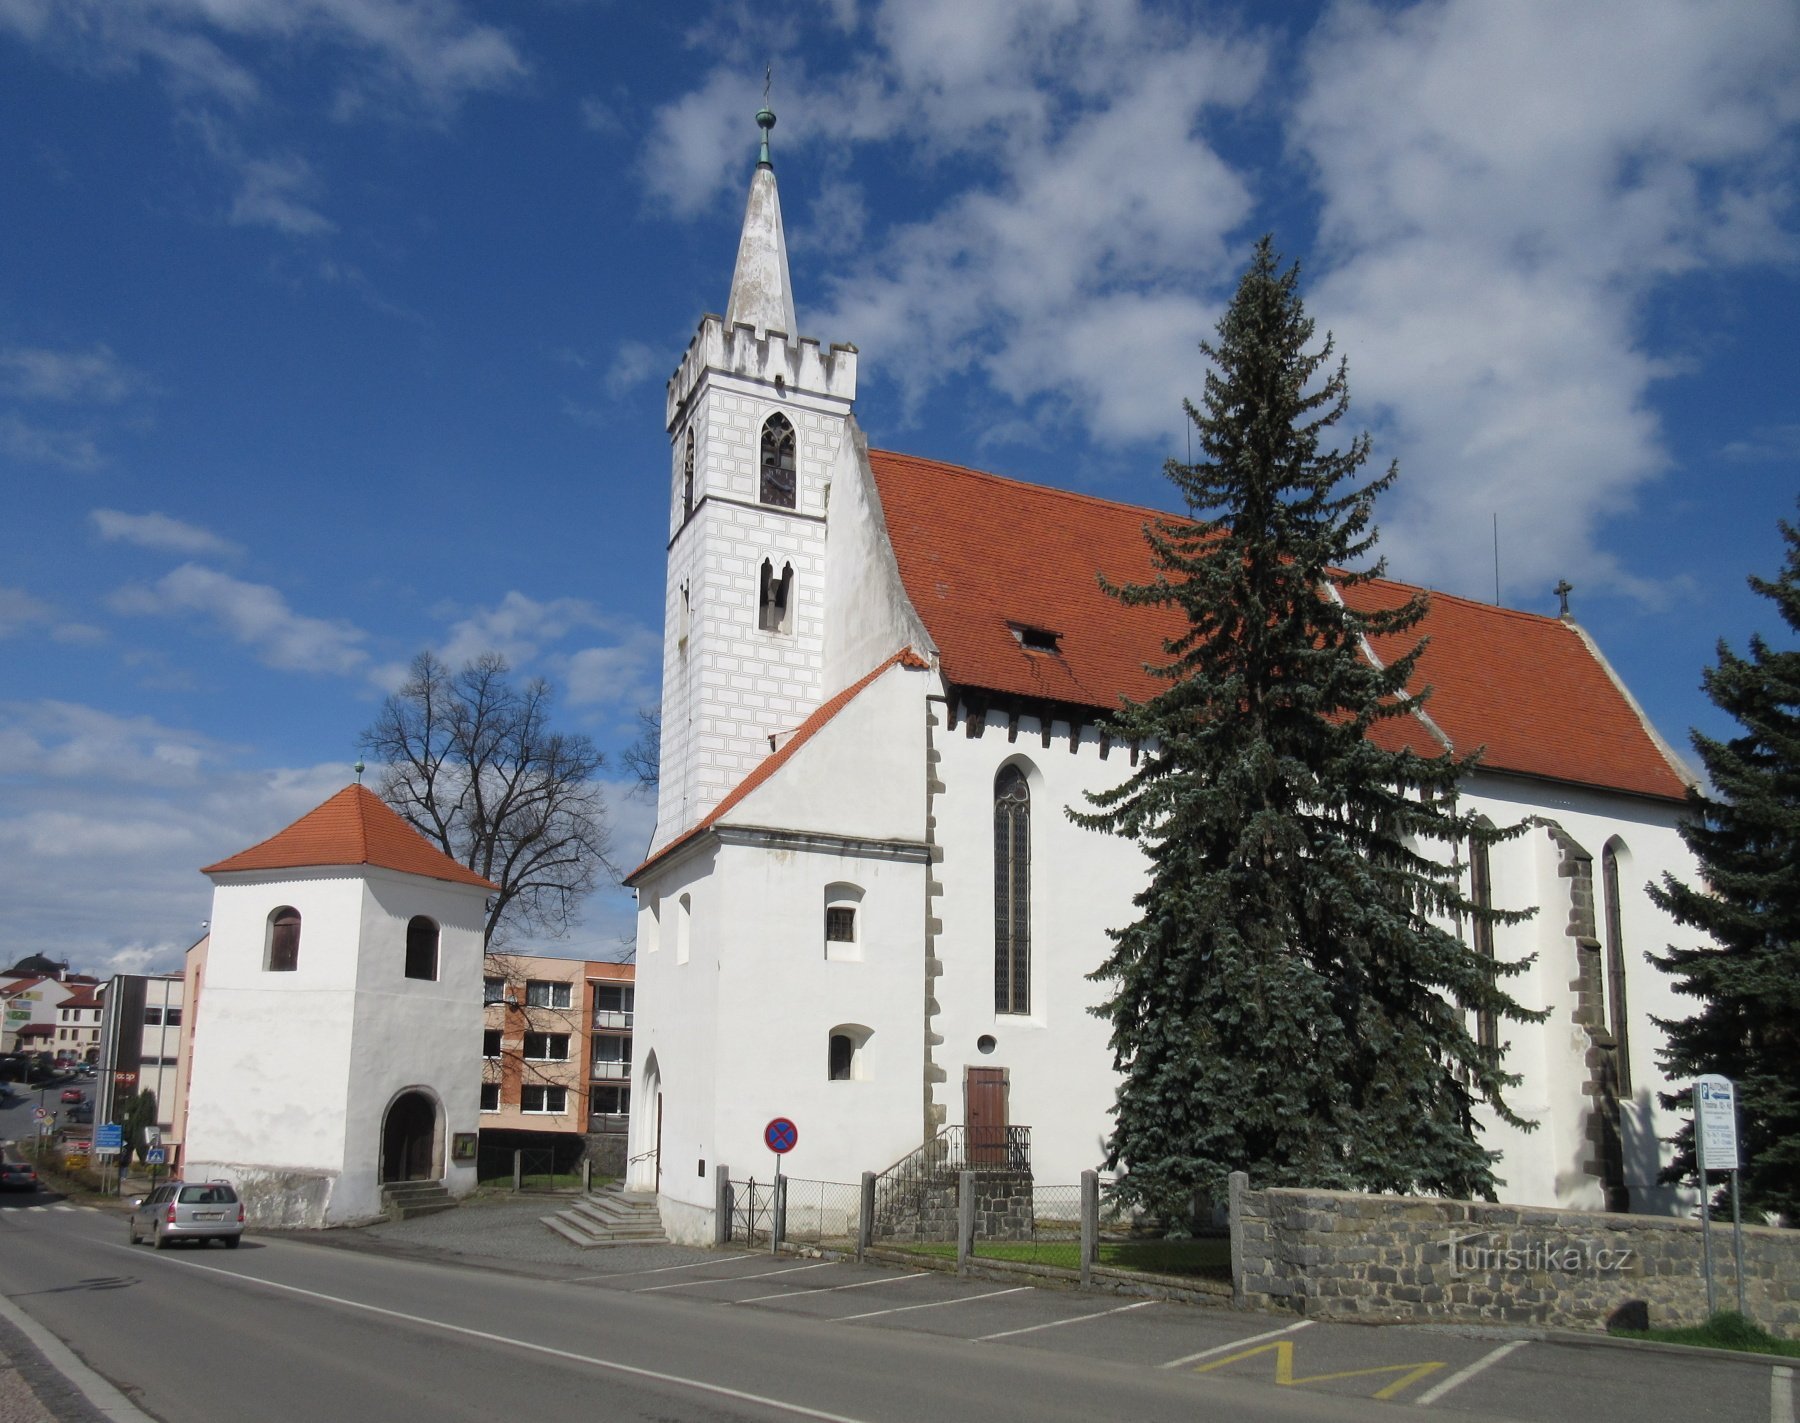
296	1328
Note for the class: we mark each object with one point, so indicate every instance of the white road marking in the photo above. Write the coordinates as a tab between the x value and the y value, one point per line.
1234	1344
935	1304
731	1279
833	1289
1057	1323
799	1410
1781	1394
107	1400
1463	1375
659	1270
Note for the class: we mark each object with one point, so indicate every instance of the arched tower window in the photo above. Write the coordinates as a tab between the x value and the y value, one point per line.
421	948
1012	892
1615	964
778	481
284	940
775	598
687	479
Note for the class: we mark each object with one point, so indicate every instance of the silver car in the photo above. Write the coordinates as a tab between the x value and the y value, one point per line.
188	1210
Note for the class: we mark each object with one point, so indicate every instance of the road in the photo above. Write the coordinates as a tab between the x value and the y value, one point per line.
292	1328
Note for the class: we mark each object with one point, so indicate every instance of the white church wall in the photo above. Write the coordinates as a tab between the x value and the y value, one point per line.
872	618
1060	1077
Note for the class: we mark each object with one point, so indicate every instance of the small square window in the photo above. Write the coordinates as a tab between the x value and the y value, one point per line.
840	924
544	1099
493	990
547	1047
490	1043
490	1096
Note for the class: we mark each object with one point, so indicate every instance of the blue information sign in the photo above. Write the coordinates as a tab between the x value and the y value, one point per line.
780	1135
109	1134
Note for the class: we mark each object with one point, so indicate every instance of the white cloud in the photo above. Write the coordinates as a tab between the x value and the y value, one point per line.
160	532
279	193
30	443
19	610
68	741
633	363
624	674
1503	186
517	628
95	376
254	615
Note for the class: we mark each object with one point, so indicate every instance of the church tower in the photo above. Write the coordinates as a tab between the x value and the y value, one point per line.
756	418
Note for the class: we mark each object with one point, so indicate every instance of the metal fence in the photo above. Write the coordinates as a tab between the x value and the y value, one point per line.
530	1168
820	1212
1039	1226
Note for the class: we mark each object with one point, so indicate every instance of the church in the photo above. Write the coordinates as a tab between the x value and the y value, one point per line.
885	679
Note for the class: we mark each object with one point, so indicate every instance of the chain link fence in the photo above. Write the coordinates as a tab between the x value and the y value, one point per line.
1037	1225
822	1213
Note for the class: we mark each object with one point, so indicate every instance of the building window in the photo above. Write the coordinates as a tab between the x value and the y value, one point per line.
843	928
778	462
684	913
421	948
775	600
1615	964
610	1101
172	1017
1012	892
1481	938
547	1047
612	1056
490	1043
152	1017
687	480
840	924
490	1096
541	994
844	1058
554	1100
493	990
283	947
613	1003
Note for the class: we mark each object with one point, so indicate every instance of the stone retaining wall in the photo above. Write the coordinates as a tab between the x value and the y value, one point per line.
1336	1254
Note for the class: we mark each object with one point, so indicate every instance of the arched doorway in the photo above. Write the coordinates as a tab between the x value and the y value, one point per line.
409	1145
646	1164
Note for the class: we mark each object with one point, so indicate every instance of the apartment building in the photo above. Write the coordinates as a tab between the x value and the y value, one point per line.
556	1045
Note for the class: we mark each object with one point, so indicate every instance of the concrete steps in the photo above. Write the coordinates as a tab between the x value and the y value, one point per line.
406	1199
610	1217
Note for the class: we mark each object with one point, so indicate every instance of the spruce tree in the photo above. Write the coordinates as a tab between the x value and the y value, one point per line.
1294	1000
1745	834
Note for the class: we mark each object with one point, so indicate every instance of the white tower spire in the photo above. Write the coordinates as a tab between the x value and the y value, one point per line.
762	296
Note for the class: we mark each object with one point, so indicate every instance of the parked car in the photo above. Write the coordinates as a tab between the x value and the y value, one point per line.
17	1176
187	1210
81	1113
73	1094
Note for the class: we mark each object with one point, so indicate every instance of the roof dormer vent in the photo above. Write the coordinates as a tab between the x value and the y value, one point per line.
1036	639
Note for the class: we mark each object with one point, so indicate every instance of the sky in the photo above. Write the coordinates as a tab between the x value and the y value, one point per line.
336	330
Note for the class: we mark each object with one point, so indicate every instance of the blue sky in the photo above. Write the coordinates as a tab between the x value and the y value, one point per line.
331	330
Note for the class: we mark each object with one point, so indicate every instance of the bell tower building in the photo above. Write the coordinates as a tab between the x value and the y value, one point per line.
757	416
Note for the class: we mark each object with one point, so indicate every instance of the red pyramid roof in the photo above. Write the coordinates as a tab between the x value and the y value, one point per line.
980	555
354	827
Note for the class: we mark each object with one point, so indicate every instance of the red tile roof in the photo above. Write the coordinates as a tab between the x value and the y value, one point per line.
980	555
772	763
354	827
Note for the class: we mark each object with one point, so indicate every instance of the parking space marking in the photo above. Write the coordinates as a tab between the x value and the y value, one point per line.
1283	1349
1781	1395
935	1304
1463	1375
833	1289
1234	1344
731	1279
662	1269
1057	1323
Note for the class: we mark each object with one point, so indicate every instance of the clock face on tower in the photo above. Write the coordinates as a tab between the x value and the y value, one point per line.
777	486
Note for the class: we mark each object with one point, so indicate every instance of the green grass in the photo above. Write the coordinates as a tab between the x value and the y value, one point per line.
1726	1330
1157	1257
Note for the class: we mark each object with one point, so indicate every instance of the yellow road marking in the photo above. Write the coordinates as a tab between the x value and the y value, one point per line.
1283	1350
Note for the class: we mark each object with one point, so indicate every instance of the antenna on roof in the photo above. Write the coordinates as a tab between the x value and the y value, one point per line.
1496	558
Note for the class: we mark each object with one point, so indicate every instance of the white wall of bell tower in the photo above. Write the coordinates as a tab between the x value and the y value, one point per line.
730	683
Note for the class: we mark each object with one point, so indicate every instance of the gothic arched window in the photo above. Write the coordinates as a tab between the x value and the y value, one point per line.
778	462
687	479
1481	935
284	940
1615	964
1012	892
